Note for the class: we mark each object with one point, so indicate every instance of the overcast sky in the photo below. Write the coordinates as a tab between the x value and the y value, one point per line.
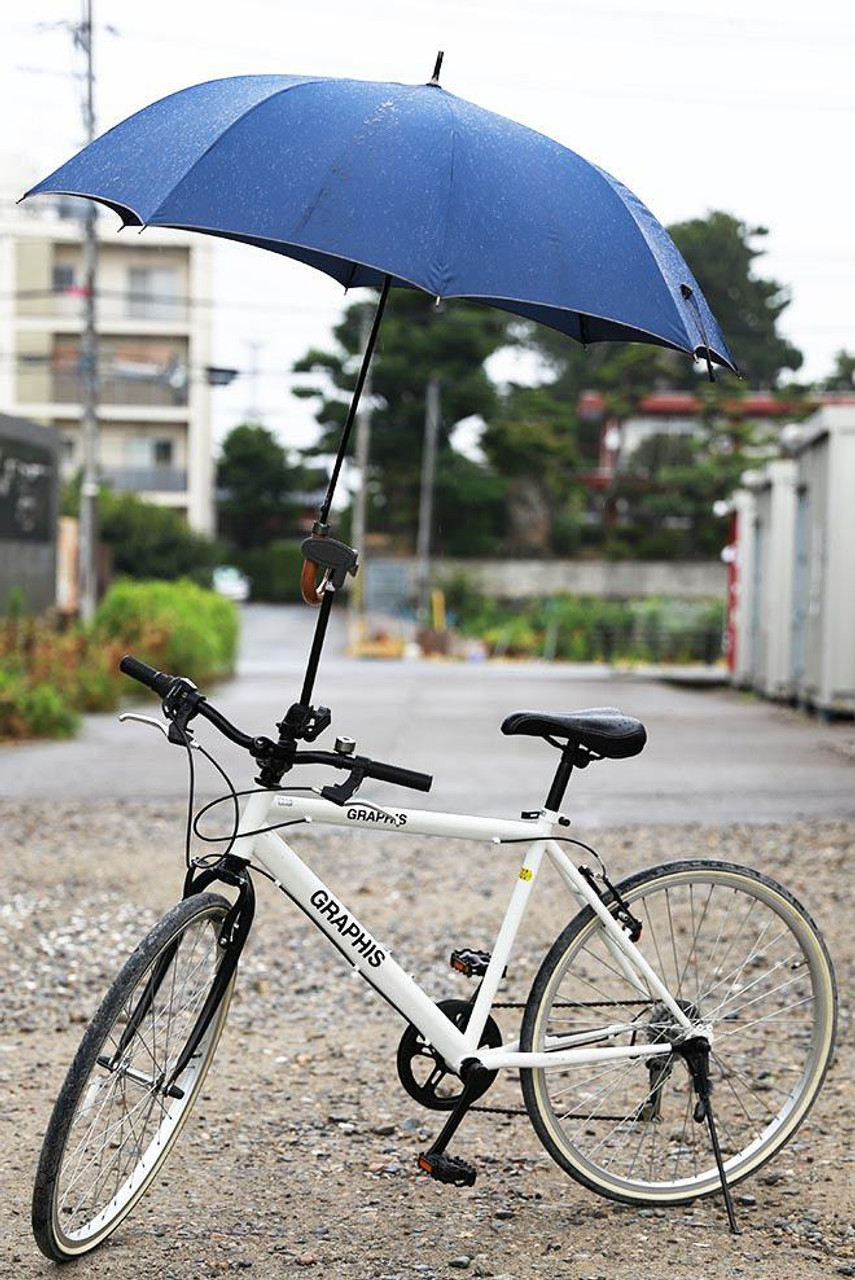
743	105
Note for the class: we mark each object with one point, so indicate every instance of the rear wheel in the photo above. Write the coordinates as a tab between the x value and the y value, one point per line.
118	1112
737	952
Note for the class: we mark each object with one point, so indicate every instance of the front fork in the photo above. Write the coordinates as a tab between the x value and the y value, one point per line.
233	934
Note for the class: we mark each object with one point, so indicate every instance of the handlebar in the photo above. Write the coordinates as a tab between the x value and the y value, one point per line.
168	687
370	768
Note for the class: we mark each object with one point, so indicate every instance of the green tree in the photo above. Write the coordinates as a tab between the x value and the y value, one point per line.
417	339
256	480
148	541
145	540
721	251
531	442
842	376
666	492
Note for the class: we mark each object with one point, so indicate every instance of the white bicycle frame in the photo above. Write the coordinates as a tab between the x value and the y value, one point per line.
373	960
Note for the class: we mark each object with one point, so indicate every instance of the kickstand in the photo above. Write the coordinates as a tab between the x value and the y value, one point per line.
697	1055
725	1189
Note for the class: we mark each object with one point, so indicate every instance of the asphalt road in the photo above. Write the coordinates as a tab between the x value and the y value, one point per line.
714	756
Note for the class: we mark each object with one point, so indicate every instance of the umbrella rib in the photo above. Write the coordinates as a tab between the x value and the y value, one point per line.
443	261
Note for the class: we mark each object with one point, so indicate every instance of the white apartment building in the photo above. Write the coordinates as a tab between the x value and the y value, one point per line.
154	349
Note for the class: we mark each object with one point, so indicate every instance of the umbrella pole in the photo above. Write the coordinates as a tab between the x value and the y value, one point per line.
323	514
302	721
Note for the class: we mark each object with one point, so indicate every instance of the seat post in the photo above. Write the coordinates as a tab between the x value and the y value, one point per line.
562	777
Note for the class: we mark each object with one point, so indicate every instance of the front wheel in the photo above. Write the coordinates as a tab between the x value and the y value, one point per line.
738	953
119	1112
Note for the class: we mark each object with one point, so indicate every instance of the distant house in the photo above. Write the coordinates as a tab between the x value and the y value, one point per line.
664	413
154	347
29	498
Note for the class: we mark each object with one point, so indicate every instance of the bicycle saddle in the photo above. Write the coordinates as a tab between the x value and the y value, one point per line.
604	730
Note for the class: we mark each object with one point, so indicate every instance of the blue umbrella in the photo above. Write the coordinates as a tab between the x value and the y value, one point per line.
392	185
374	181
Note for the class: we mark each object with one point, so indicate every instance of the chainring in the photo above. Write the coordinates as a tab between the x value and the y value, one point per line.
422	1070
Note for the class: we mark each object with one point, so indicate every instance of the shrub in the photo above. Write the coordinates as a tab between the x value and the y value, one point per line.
81	670
175	626
274	571
146	540
47	675
33	710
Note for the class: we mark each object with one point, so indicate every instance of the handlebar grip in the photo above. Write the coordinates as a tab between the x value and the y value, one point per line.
159	681
401	777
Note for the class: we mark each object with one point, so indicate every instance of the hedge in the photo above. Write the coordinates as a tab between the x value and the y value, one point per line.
48	676
175	626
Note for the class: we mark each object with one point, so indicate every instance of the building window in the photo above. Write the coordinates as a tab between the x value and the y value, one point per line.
163	453
69	448
63	277
137	451
153	293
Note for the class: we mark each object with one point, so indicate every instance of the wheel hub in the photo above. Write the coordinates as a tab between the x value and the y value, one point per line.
662	1024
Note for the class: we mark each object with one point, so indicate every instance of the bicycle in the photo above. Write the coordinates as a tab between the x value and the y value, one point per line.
674	1038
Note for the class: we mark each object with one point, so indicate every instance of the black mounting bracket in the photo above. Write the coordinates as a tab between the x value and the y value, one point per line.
337	558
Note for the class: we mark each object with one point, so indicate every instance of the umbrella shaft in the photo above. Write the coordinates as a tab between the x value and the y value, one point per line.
317	646
324	512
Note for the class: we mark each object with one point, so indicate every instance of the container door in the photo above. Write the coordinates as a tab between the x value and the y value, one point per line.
801	584
756	649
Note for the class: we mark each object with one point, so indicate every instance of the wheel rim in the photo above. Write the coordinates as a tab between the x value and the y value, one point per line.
124	1122
739	951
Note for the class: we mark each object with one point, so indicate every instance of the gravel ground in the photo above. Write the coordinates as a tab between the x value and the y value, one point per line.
301	1152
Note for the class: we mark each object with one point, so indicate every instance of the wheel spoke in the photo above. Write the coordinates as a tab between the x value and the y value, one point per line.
738	957
122	1124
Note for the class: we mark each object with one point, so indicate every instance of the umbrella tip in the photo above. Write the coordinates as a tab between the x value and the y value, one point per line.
437	68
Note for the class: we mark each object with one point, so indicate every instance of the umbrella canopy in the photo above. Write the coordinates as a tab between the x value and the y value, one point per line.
368	181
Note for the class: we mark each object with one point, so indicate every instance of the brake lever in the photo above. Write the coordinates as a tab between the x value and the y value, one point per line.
340	792
163	726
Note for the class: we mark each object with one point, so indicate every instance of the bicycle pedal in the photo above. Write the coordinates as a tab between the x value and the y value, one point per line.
450	1169
471	963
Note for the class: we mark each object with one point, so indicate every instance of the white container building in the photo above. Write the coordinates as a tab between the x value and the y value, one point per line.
746	593
774	490
823	611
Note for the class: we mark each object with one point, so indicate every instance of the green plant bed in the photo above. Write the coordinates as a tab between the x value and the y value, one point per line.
48	675
658	629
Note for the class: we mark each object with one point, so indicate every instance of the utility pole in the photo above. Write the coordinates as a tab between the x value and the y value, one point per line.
432	421
360	498
253	412
88	550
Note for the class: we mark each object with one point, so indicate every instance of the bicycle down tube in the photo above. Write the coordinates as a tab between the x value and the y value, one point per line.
373	960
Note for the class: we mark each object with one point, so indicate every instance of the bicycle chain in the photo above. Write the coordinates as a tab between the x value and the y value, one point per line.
582	1004
575	1004
520	1111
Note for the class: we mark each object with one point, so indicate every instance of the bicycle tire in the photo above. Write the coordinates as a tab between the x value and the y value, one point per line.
624	1129
113	1125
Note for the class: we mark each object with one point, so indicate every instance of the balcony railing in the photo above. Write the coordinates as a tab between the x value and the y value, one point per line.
145	479
110	306
67	388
